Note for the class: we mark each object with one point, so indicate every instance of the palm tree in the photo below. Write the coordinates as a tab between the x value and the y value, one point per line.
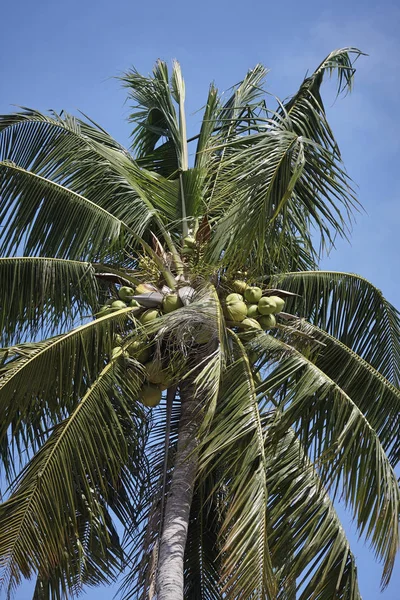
114	284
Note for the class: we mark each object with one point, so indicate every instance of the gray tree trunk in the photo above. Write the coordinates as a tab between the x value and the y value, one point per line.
169	582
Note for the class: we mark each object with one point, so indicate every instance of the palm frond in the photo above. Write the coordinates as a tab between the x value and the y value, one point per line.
375	396
154	113
71	153
236	441
342	442
286	181
202	557
305	109
74	473
43	217
40	383
309	547
207	128
353	310
43	295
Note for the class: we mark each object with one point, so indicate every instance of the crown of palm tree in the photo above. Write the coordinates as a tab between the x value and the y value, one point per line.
258	429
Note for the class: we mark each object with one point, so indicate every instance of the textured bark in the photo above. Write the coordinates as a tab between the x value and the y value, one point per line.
173	540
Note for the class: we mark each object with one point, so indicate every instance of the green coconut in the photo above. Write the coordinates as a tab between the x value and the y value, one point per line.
239	286
125	292
252	311
156	374
236	311
253	294
234	298
189	242
280	303
267	305
150	395
251	324
171	302
134	304
104	310
148	316
139	351
118	339
117	305
267	321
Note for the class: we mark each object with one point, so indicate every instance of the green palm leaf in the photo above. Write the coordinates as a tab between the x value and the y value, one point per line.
376	397
343	443
72	474
44	217
43	295
308	544
40	383
353	310
236	441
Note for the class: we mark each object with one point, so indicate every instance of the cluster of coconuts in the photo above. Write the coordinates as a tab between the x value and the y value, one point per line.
248	307
141	298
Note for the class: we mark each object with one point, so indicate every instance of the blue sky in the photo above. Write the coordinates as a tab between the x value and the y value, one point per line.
64	56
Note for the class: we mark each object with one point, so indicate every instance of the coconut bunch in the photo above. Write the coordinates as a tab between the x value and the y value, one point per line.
148	303
250	309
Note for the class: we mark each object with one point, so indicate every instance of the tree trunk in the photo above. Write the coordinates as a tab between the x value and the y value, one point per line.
169	582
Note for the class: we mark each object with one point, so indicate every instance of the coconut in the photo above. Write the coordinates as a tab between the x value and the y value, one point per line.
156	374
134	304
150	395
117	305
189	242
118	340
252	311
267	305
239	286
253	294
234	298
171	302
125	292
236	311
280	303
104	310
139	351
148	316
251	324
267	321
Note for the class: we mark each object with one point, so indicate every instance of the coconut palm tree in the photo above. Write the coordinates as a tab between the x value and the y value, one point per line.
147	424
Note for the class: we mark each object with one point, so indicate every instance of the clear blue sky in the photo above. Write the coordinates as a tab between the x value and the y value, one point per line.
64	55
